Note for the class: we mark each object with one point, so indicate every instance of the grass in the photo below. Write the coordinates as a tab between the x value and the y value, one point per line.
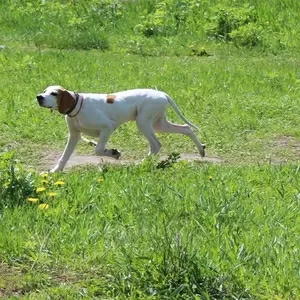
157	230
252	119
215	232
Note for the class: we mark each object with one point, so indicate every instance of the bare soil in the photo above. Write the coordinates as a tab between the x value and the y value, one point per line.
289	142
50	158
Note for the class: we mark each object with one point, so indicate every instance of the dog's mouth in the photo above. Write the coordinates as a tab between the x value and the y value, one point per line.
44	105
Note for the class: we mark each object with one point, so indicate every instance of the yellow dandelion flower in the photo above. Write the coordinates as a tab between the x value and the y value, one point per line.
45	176
59	183
52	194
44	181
100	179
33	200
40	189
43	206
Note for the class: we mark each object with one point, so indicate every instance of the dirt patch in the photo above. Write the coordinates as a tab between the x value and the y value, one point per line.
49	160
285	149
11	284
289	142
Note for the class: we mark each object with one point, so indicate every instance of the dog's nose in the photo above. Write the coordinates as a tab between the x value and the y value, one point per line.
39	98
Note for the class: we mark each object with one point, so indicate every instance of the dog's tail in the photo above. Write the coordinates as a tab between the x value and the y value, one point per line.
176	108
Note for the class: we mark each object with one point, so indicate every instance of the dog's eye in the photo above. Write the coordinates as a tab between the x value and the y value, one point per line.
54	93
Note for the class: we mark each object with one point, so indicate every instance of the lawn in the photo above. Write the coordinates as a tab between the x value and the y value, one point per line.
224	227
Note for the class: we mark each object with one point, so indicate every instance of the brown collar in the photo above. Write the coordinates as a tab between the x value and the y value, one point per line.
73	107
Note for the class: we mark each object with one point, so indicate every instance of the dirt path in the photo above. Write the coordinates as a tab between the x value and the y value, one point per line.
50	159
282	143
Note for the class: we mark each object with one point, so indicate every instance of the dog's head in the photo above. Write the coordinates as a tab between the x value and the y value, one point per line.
57	98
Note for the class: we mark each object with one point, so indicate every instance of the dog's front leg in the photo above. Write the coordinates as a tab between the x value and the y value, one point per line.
73	139
100	150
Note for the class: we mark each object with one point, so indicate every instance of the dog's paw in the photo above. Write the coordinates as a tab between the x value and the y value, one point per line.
202	150
115	153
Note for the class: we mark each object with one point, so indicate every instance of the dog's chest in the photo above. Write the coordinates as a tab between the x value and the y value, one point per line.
86	129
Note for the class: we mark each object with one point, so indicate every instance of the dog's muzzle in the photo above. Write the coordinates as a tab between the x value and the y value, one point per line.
40	99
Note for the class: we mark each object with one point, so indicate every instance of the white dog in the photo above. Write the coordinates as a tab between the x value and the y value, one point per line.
98	115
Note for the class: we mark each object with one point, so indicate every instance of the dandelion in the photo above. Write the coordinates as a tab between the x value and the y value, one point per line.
40	189
43	206
59	183
33	200
100	179
44	181
45	176
52	194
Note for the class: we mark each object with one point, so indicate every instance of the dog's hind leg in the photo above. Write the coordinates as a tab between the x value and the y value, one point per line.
163	125
147	130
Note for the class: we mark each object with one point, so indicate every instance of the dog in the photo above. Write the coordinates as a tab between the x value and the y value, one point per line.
98	115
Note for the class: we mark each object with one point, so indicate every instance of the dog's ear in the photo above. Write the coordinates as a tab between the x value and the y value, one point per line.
65	101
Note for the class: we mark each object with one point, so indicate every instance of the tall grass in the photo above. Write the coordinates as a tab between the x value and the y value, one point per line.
179	232
151	27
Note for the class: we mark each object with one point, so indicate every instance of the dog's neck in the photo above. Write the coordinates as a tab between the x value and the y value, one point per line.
72	108
70	102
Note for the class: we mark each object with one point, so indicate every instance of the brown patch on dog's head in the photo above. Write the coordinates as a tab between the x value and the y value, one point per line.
65	100
110	99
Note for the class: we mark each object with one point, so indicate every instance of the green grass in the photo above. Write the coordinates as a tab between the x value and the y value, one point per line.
243	105
210	231
173	230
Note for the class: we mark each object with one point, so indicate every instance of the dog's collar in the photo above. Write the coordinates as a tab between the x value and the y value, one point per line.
73	107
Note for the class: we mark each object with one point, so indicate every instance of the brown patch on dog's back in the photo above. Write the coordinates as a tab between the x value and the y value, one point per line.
110	99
